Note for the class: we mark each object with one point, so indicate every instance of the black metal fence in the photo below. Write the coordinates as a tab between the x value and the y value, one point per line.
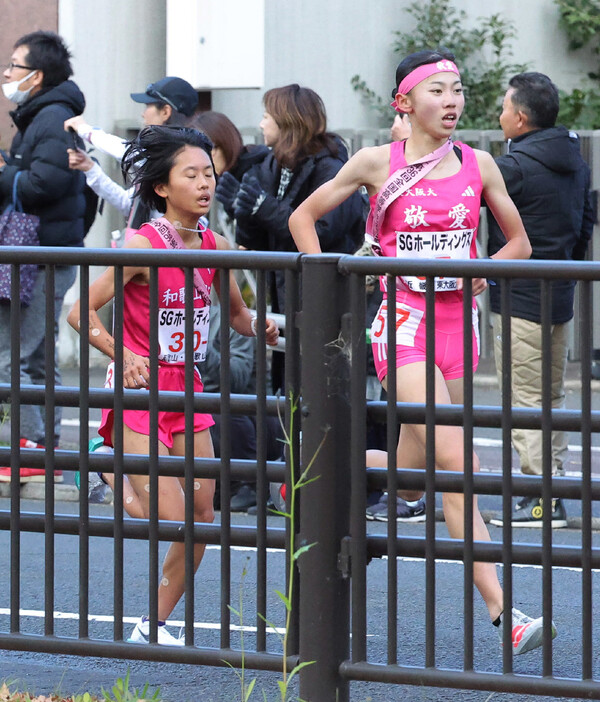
325	374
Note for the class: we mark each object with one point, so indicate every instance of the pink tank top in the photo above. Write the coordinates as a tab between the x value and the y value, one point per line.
436	218
171	308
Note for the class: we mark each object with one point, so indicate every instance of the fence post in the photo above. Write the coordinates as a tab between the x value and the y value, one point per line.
325	503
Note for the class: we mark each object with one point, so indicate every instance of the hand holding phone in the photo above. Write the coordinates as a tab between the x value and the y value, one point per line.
74	140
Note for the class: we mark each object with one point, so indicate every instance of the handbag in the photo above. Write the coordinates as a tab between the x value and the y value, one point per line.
18	229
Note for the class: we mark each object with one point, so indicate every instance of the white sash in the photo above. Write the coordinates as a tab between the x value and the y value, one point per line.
173	240
399	182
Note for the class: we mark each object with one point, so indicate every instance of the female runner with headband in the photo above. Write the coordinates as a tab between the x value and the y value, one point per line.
434	190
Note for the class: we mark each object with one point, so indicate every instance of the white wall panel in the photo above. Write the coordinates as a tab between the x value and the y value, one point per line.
216	44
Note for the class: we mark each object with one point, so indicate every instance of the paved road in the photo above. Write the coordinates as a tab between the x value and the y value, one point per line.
179	683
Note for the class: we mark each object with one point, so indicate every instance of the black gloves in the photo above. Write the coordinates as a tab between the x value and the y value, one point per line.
227	190
249	198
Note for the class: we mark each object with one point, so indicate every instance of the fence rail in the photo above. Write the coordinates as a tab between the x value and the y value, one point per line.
325	373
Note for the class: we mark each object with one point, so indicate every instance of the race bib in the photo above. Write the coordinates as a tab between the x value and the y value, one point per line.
171	334
407	323
455	244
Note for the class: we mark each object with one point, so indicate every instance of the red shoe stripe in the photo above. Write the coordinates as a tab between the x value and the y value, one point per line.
517	634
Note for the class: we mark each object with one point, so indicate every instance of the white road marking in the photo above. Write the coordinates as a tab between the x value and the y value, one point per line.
40	614
93	424
477	441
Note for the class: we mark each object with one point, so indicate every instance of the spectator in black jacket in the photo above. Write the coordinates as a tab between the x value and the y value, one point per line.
243	428
304	155
38	82
549	182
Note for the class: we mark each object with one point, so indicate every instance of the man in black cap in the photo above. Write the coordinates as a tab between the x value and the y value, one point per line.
173	99
170	100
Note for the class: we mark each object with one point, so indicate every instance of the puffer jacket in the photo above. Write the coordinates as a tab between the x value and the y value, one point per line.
47	187
549	182
341	230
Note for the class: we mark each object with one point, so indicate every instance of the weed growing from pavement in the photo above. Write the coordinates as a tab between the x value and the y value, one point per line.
287	597
120	692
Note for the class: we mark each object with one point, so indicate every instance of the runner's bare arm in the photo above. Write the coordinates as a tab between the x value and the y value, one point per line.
102	291
364	168
504	210
240	317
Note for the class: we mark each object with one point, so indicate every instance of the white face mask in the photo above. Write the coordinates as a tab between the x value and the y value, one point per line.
12	92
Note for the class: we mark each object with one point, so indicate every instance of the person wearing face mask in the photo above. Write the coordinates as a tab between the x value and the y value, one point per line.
170	101
37	82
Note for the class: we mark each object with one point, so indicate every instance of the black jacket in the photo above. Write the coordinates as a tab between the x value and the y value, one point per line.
47	187
341	230
250	156
549	182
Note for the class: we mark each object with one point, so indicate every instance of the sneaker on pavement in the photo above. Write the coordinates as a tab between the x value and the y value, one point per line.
141	634
98	490
529	512
29	475
527	633
244	498
404	512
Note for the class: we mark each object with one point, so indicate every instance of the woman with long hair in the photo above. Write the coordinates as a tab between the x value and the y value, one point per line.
304	155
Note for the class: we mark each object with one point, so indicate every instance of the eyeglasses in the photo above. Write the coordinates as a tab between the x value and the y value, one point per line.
12	65
152	92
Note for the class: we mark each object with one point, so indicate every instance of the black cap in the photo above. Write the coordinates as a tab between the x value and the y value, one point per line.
176	92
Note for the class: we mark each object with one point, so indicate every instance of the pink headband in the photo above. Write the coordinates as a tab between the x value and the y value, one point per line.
421	73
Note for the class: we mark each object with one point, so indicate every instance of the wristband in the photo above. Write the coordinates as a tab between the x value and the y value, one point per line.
253	325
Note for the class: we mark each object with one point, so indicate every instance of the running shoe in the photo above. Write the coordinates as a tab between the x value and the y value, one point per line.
98	490
141	634
529	512
29	475
404	512
527	633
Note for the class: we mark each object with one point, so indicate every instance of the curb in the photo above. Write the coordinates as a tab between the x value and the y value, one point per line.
37	491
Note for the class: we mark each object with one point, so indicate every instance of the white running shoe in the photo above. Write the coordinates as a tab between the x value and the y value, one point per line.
527	633
141	634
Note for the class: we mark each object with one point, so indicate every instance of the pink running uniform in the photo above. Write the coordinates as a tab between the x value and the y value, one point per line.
436	218
171	338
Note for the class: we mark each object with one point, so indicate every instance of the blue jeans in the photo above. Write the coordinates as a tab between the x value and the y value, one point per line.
32	358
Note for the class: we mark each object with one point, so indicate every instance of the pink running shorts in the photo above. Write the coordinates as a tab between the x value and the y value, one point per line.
410	338
171	377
